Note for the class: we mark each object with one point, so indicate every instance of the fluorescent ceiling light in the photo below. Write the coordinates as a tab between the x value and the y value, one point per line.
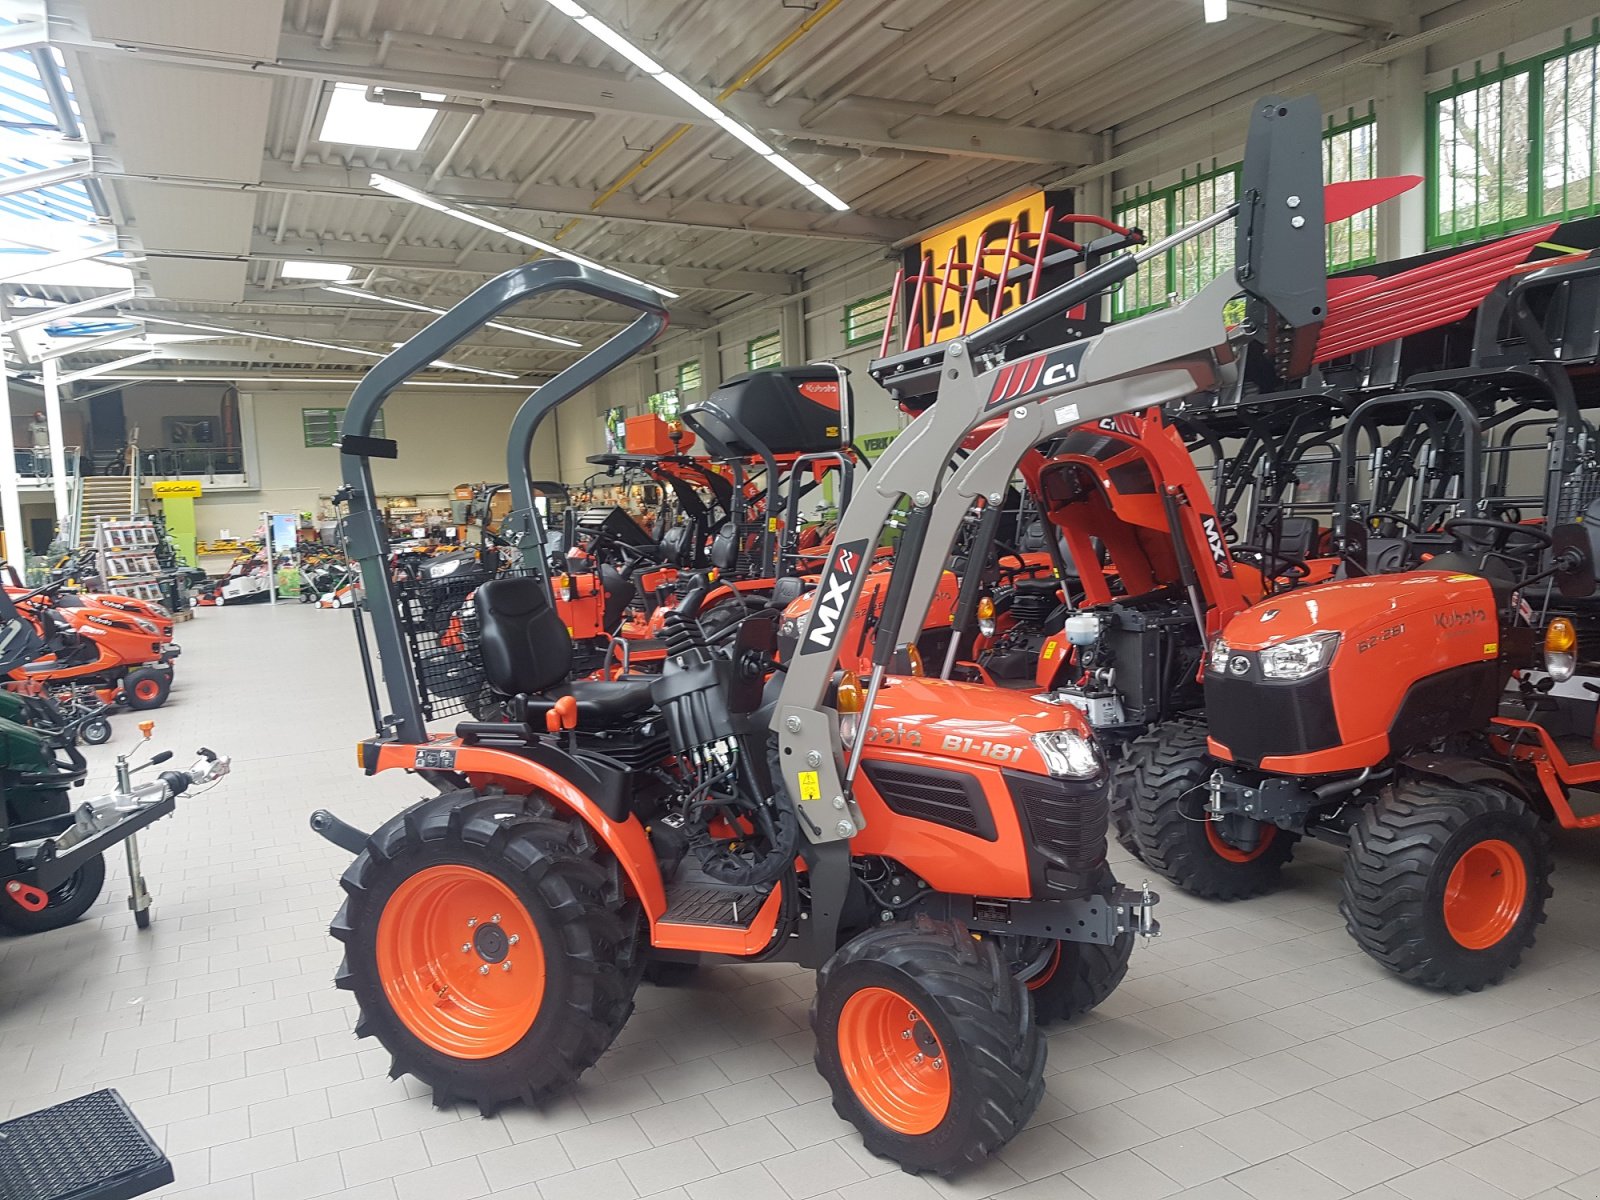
455	366
401	191
331	271
429	308
336	382
598	28
1216	10
356	121
278	337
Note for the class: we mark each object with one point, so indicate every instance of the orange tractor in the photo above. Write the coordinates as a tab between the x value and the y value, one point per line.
936	849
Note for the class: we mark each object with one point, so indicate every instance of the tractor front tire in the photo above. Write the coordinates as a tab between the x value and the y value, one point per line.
95	732
1166	797
1122	783
145	689
929	1045
72	897
1445	883
1078	977
490	946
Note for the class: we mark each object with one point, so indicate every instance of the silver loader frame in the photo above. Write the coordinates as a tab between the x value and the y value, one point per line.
1131	366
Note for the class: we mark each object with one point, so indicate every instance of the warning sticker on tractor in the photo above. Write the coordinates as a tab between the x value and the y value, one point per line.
1049	650
1491	647
810	788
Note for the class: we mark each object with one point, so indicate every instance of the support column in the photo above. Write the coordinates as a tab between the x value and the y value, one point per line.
58	449
16	548
1403	150
792	332
710	354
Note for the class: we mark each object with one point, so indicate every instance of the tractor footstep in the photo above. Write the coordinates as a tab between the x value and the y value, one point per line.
91	1148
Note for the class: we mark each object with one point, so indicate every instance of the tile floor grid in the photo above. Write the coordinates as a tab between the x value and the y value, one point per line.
1253	1052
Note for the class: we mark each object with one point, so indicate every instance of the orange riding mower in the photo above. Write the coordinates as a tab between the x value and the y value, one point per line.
124	657
936	849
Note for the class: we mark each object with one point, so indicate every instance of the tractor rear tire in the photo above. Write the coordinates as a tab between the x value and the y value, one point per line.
71	898
448	893
145	689
929	1045
1445	883
1166	796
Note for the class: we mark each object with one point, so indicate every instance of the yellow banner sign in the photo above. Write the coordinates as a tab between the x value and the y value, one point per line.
980	239
165	489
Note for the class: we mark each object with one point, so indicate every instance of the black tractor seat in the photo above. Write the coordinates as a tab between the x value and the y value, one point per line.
527	655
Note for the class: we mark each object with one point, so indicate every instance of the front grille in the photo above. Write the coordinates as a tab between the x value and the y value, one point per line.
949	798
1066	822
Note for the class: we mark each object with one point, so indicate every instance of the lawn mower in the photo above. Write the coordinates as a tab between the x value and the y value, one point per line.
127	659
1372	711
51	864
933	847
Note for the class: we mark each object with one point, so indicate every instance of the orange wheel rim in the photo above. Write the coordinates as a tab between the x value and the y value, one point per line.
460	961
894	1061
1227	850
1049	972
147	689
1485	894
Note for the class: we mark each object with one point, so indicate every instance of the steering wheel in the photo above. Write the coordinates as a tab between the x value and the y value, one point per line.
1503	532
1293	566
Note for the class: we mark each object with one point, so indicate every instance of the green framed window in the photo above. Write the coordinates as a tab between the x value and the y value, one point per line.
764	351
321	426
689	376
1514	144
1350	151
864	319
665	405
1181	272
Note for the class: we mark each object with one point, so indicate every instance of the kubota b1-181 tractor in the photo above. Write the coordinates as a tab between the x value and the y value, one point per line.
936	849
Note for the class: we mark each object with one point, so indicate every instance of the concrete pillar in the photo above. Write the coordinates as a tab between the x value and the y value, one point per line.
1403	150
58	450
710	355
792	330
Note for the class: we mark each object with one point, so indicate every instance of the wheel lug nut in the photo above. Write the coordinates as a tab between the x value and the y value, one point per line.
466	947
495	919
513	939
905	1034
483	970
917	1058
938	1064
506	966
471	921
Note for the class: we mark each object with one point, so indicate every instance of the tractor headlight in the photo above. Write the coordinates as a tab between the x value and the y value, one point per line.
1561	649
986	616
1217	662
444	569
1298	658
1068	754
149	627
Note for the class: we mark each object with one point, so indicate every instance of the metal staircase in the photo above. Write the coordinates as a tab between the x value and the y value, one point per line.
107	496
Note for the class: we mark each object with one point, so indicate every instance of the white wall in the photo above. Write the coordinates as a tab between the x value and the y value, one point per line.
445	438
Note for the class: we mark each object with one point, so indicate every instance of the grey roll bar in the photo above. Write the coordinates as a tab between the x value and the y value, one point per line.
1281	257
366	540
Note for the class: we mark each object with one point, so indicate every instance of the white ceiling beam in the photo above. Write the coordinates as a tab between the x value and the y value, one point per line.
32	318
854	120
61	258
85	345
31	28
12	185
540	310
371	326
119	364
1322	17
295	247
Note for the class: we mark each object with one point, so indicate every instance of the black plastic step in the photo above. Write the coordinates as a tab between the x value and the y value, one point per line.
91	1148
699	900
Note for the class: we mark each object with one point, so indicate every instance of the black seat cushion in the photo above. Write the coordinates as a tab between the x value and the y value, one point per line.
600	701
524	641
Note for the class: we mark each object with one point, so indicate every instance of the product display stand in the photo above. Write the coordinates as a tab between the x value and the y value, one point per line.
125	552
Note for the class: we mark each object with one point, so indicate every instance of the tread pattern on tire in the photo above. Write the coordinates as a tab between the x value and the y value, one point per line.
993	1018
1394	844
1168	769
1087	974
559	865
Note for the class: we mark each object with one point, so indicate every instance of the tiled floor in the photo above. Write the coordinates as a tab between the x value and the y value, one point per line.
1252	1052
